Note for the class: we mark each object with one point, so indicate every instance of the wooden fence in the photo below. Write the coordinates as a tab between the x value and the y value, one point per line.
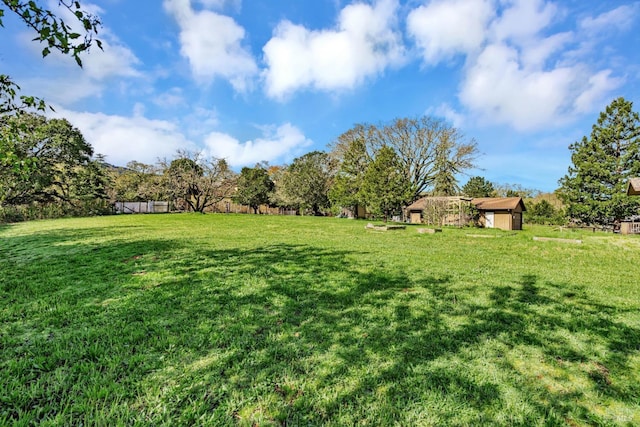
630	228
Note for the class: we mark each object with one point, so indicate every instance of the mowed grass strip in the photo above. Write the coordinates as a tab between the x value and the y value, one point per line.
264	320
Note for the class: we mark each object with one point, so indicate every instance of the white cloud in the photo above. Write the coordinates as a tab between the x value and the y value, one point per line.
171	98
444	28
620	18
517	70
67	83
499	89
123	139
62	90
284	143
363	45
537	52
447	112
115	59
213	45
598	87
523	20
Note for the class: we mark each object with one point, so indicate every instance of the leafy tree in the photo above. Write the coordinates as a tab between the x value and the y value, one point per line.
428	148
541	212
345	191
137	182
594	188
385	187
197	181
46	161
56	34
254	187
306	182
478	186
515	190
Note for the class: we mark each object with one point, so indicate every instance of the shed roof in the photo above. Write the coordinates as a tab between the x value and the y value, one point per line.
633	188
498	203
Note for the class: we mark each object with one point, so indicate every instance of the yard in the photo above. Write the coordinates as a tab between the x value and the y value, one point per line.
190	319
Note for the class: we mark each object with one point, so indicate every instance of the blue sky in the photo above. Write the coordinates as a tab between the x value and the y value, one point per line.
253	80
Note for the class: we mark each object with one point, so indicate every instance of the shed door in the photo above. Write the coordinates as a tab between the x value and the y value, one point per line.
517	221
488	219
415	218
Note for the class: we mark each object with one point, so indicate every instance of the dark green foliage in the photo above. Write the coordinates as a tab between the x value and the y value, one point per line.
594	190
46	161
53	31
543	212
346	189
543	209
306	182
254	187
478	186
11	102
385	187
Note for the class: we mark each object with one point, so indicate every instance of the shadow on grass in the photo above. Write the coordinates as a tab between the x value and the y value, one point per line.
154	332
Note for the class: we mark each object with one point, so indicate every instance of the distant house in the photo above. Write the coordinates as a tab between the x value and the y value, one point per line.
633	188
500	212
494	212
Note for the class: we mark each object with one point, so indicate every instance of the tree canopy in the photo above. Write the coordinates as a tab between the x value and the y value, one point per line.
198	181
431	151
478	186
46	160
385	187
254	187
305	183
594	187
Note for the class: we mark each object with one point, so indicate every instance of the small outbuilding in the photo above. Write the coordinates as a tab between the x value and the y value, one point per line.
438	211
632	225
500	212
633	188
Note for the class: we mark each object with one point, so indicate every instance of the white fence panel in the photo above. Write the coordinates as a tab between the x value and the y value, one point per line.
142	207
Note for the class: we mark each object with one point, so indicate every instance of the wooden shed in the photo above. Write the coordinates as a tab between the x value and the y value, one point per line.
438	211
500	212
633	188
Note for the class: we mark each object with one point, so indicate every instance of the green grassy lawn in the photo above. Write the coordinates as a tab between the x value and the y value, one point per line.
259	320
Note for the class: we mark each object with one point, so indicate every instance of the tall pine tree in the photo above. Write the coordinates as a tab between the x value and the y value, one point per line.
385	187
594	188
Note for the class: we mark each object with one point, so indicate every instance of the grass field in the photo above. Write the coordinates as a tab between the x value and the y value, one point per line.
258	320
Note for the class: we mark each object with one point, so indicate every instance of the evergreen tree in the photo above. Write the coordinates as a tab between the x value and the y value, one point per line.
478	186
385	187
345	191
594	188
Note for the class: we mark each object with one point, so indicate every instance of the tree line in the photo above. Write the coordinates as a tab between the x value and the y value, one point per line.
384	167
48	169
